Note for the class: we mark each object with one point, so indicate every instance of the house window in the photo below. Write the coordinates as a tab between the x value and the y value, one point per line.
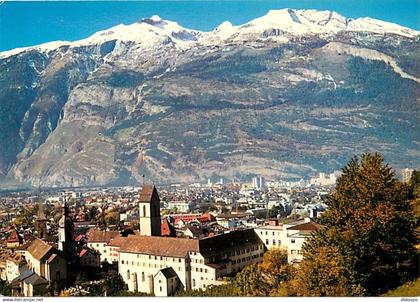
128	274
160	288
144	211
122	261
266	242
274	241
142	277
193	282
293	240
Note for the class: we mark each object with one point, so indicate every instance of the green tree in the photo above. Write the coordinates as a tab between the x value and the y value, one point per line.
5	288
113	283
369	226
91	214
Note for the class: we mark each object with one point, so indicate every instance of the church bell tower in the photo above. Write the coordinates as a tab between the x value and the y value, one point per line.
149	211
66	242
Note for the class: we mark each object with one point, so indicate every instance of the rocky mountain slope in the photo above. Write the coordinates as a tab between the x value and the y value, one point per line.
285	95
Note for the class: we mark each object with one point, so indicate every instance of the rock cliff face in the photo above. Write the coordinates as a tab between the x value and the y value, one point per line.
285	95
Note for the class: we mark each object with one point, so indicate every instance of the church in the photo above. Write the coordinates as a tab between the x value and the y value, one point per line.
45	263
160	265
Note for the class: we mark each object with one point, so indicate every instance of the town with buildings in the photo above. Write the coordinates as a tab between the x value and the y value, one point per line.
159	239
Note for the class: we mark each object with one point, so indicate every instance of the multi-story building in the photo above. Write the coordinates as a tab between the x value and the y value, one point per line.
195	263
163	265
99	241
290	236
406	174
13	266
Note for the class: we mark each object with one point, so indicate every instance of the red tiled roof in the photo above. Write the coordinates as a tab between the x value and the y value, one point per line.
308	226
167	229
79	237
191	217
159	246
102	236
14	237
117	241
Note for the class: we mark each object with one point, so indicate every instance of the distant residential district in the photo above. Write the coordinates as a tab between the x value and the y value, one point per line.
158	243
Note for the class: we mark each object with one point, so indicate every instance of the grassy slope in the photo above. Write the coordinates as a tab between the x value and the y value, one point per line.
409	289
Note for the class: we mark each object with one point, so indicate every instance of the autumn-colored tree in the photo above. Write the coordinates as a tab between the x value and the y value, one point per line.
367	244
250	283
275	271
275	268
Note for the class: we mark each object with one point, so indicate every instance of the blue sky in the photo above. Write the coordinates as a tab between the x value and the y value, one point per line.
30	23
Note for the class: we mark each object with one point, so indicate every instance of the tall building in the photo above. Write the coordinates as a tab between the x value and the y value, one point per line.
66	242
258	182
41	223
149	211
406	174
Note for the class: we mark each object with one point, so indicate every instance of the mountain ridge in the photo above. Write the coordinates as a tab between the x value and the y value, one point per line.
298	23
183	105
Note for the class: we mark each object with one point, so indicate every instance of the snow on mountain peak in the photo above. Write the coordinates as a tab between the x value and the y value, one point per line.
153	31
156	18
303	22
380	27
297	22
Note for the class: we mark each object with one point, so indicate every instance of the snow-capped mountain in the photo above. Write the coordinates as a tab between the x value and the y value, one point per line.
153	32
287	94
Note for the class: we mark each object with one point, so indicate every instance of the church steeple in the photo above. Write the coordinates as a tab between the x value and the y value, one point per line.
149	210
41	222
66	233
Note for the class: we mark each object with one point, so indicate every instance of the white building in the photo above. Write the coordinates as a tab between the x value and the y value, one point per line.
195	263
99	240
325	180
162	265
13	266
406	174
287	236
181	206
258	182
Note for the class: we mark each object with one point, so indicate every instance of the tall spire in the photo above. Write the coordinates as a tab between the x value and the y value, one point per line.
40	216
